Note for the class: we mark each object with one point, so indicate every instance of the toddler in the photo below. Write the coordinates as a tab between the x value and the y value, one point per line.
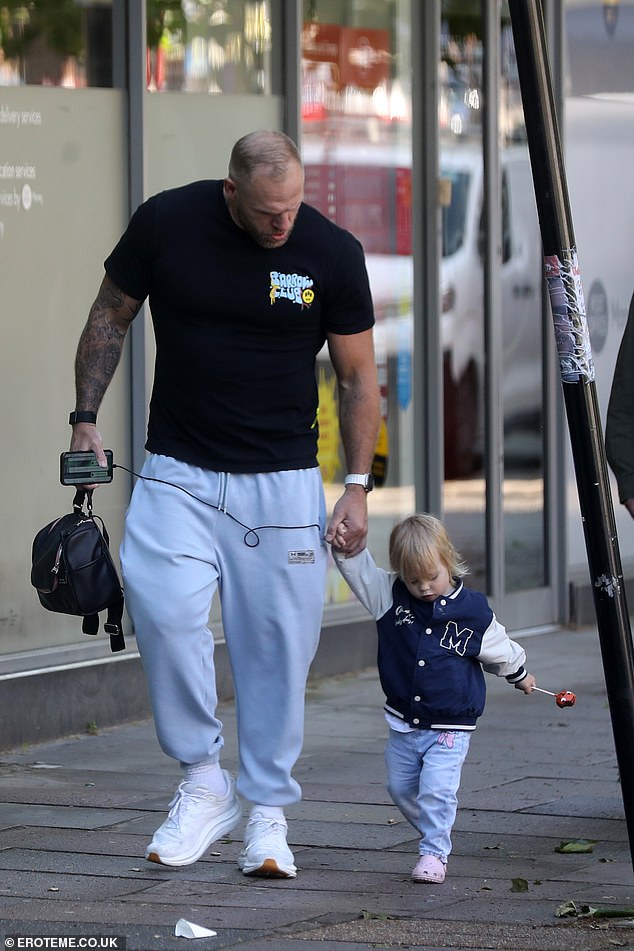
435	638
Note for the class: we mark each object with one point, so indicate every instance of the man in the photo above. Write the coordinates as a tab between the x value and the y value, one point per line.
619	429
245	284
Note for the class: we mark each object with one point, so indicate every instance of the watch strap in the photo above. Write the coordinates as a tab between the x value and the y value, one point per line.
360	478
82	416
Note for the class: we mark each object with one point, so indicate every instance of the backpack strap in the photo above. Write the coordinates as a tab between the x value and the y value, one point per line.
80	496
90	624
114	626
114	621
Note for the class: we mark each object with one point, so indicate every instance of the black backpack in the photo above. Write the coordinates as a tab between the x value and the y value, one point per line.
73	571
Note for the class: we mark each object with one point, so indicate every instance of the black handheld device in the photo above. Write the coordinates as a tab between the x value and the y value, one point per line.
82	468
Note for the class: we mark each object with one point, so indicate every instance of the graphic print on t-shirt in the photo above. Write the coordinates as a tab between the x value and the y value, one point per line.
296	288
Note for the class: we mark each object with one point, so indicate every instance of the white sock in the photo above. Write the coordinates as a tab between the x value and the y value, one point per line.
269	812
209	775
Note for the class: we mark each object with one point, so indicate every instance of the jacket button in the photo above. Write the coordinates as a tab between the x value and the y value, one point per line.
417	699
443	601
428	630
416	721
421	663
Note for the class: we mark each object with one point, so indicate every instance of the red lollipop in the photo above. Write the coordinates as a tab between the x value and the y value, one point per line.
565	698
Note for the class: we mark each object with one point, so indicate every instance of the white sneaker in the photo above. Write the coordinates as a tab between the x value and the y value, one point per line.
195	820
265	851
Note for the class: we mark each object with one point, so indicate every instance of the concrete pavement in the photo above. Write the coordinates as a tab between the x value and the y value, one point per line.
76	815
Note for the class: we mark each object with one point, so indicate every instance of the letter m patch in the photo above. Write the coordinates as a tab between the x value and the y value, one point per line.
455	640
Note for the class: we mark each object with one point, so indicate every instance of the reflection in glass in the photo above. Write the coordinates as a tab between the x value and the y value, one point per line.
209	46
356	145
462	284
56	43
519	351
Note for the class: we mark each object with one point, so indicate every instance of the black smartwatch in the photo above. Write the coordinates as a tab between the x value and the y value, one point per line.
82	416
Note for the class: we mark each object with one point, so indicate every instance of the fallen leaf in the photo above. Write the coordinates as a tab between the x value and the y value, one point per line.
576	845
570	909
519	885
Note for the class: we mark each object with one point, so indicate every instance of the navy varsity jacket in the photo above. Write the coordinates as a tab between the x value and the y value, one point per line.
431	655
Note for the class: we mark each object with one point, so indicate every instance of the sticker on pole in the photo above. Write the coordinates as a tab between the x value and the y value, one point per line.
569	316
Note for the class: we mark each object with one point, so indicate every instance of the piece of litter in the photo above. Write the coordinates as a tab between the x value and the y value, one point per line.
187	929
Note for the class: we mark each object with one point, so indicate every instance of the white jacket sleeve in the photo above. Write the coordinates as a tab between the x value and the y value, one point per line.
500	655
371	584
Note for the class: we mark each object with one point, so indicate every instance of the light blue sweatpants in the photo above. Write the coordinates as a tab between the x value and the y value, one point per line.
175	553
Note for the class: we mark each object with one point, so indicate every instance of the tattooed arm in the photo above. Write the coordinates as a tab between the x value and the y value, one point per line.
98	355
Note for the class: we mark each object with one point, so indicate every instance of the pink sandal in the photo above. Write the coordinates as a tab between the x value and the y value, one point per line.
429	868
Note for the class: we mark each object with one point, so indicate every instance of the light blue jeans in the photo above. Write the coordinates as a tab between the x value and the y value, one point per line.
423	770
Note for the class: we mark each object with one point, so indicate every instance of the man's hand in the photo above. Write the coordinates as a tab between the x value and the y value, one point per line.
87	438
348	527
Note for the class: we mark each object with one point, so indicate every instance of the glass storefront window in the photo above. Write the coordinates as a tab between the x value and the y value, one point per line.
462	281
357	150
517	349
209	46
56	43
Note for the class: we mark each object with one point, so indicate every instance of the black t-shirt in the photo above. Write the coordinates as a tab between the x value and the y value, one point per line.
237	327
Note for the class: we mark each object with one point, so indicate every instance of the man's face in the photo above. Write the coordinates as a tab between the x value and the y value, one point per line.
265	207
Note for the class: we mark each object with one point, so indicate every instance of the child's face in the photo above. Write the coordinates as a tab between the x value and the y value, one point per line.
431	584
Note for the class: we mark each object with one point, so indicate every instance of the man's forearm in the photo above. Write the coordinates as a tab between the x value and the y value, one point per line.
359	425
101	344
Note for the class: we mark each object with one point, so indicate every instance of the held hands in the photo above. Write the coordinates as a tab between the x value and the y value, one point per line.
348	527
527	685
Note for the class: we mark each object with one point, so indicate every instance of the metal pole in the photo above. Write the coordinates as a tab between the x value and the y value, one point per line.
579	391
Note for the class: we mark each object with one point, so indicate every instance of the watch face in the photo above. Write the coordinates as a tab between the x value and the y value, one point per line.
369	482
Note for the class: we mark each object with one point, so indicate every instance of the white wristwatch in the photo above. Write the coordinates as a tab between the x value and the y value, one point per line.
365	479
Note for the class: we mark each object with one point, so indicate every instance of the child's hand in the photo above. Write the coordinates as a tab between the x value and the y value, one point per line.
528	684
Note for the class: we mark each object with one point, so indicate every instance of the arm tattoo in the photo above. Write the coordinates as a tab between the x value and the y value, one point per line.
101	343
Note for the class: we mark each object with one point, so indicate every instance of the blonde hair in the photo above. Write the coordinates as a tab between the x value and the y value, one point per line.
269	150
416	545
